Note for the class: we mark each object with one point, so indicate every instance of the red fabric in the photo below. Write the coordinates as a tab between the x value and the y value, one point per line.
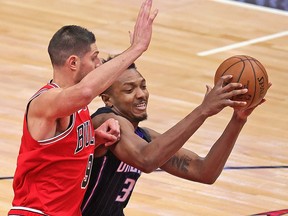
50	174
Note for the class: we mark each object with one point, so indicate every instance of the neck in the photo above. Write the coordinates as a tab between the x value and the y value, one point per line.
134	123
62	78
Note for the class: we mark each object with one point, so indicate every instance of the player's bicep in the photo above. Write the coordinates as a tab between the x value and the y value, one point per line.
184	164
50	105
129	148
58	103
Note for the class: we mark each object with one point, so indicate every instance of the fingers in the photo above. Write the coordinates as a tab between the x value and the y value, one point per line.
114	128
222	95
140	16
105	138
233	89
144	12
147	9
230	90
142	33
244	113
236	104
110	141
224	80
108	133
153	16
261	102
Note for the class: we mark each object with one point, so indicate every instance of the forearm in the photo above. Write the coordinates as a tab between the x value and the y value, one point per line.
102	77
166	145
215	160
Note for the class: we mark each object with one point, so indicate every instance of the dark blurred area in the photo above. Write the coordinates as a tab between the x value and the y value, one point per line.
276	4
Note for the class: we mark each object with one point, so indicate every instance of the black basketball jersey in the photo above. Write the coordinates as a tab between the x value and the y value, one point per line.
112	182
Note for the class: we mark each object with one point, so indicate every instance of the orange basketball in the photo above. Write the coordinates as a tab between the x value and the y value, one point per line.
248	71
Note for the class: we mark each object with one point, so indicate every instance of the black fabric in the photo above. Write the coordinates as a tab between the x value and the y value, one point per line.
111	183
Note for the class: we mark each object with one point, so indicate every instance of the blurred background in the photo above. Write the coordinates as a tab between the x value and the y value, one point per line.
190	40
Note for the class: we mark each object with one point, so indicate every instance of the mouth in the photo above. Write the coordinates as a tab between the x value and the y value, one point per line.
141	106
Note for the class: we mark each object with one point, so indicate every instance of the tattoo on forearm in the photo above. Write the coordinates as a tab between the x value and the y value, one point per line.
182	163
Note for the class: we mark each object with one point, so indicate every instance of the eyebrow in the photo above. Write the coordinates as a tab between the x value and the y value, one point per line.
128	83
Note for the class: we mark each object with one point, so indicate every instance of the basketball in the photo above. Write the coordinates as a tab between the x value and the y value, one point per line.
248	71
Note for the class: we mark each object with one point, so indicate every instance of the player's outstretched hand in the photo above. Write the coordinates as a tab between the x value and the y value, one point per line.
220	95
242	114
108	133
142	34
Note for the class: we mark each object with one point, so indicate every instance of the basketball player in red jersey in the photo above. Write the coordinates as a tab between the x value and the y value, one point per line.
116	169
57	145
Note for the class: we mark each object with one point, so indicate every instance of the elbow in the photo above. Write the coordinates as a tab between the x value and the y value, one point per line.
203	179
209	181
206	175
209	178
147	170
146	165
87	95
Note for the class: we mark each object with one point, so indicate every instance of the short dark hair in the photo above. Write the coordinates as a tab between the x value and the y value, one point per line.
69	40
132	66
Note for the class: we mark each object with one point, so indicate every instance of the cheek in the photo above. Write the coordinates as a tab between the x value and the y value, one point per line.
87	66
123	103
147	95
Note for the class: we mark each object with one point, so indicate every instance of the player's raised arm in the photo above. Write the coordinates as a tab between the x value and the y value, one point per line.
104	75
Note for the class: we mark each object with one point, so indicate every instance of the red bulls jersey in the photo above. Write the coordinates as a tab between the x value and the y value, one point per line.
52	174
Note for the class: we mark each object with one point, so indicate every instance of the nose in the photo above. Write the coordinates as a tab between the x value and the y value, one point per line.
140	93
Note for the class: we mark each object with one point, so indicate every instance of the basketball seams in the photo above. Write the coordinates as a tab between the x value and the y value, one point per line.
235	63
241	73
262	69
255	80
251	73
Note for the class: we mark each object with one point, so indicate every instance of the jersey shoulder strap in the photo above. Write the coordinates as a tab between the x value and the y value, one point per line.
103	110
143	134
139	131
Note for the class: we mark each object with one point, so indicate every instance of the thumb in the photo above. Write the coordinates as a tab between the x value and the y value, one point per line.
130	36
208	89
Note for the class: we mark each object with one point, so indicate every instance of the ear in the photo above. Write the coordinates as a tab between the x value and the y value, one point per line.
107	100
73	62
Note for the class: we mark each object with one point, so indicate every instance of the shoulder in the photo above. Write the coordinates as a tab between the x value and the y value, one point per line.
152	133
105	113
101	111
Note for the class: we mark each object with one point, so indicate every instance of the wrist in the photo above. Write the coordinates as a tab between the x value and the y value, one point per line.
202	112
239	118
137	49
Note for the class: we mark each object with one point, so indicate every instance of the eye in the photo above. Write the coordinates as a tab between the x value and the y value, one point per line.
128	91
95	57
128	88
143	87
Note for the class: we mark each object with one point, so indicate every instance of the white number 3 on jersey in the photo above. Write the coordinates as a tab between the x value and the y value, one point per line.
126	191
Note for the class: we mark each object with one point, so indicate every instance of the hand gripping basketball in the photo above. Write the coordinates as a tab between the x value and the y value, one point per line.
248	71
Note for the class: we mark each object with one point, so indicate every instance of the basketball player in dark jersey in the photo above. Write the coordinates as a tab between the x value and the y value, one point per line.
117	168
112	180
